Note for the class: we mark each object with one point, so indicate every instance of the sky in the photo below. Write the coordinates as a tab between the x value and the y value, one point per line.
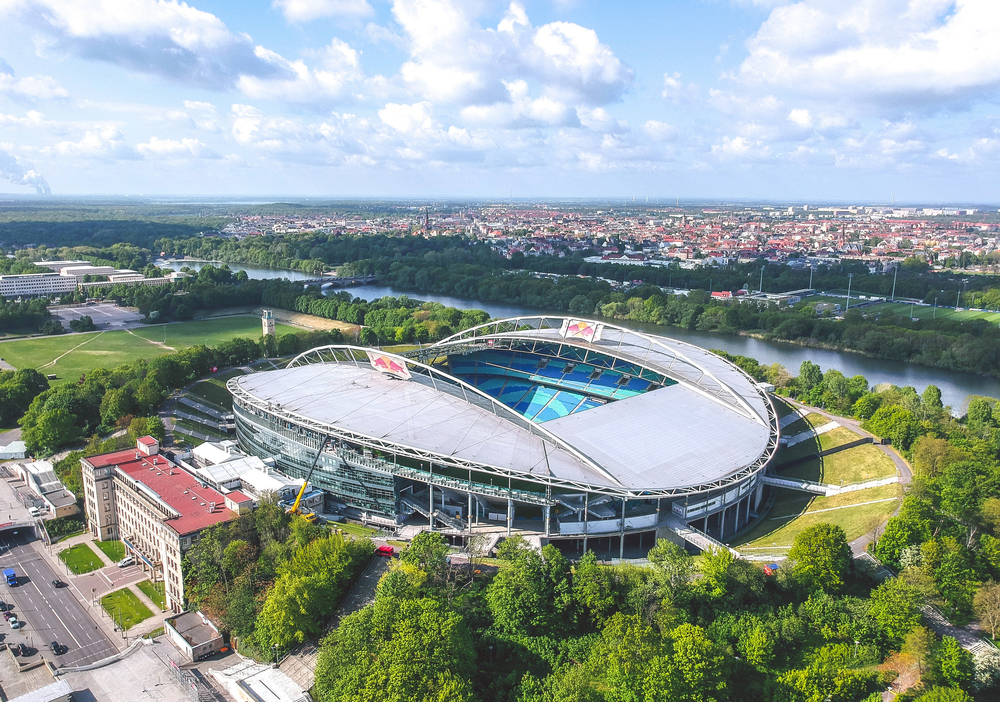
861	101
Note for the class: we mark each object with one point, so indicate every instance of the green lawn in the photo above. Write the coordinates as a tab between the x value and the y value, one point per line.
81	559
125	607
154	591
115	550
73	355
212	391
355	529
195	426
794	512
855	465
823	442
903	309
210	332
182	438
810	421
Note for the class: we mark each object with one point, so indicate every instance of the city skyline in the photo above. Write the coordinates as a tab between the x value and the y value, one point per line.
742	100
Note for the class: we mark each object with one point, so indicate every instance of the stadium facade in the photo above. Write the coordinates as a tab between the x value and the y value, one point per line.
569	428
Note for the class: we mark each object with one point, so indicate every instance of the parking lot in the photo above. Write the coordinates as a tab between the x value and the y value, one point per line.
105	316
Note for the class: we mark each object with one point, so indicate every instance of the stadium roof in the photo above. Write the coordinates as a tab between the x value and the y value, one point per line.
709	428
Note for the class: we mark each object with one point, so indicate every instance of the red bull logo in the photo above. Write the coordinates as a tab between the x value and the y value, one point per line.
387	364
578	329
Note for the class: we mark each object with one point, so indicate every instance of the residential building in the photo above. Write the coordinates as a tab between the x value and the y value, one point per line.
155	507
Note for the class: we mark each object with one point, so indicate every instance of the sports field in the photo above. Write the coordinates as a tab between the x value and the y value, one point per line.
903	309
73	355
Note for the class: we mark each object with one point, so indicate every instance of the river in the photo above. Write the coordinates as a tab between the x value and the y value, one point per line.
955	386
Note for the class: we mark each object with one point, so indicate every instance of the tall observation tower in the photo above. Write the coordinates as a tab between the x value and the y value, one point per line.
267	323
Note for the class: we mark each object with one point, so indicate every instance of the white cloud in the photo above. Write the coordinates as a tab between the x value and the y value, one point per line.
306	10
893	54
520	110
339	71
103	143
406	118
455	59
168	148
31	87
659	131
162	37
801	118
200	106
17	174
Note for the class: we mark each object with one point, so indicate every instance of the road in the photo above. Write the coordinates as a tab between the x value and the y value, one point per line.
48	614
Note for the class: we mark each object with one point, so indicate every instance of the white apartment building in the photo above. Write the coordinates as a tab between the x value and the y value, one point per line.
156	508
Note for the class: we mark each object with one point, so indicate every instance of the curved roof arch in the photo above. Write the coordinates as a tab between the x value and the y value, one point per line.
690	365
439	380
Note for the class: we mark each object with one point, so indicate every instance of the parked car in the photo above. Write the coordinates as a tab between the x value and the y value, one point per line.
126	562
14	622
3	606
58	583
8	614
57	648
24	650
386	550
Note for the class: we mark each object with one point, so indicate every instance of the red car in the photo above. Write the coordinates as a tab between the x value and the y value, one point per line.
387	551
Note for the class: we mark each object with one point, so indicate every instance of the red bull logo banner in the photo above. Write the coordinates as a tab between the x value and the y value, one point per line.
388	365
578	329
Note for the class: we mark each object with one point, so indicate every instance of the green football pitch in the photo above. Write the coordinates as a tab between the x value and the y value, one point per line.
73	355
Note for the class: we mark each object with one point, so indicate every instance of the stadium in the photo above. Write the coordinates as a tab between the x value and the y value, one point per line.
565	429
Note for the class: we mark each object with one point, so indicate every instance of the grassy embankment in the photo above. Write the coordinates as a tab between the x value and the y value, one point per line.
794	511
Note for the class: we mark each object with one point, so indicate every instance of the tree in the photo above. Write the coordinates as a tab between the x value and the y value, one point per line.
980	412
428	550
866	405
810	376
397	651
895	423
895	607
672	563
931	455
945	694
757	647
932	397
821	557
986	605
715	567
52	430
919	645
693	670
952	663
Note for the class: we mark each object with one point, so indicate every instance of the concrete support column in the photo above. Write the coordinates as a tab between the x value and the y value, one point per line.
758	494
430	502
510	515
621	534
468	514
722	523
547	512
586	519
